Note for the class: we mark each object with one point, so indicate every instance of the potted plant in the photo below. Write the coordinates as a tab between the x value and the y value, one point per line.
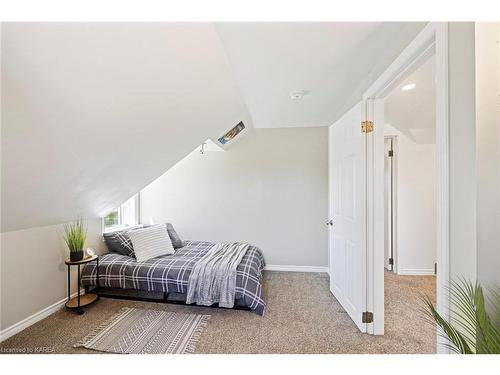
75	234
474	328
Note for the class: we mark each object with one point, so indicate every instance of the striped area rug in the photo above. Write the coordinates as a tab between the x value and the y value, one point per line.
140	331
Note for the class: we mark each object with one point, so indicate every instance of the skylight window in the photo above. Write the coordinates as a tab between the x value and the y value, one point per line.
232	133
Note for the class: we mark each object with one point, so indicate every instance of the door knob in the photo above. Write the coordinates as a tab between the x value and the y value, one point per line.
329	222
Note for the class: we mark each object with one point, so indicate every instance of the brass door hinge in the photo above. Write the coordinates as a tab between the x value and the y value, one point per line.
391	153
367	317
366	126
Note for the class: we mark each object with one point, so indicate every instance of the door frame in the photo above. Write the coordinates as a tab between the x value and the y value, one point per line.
432	39
394	202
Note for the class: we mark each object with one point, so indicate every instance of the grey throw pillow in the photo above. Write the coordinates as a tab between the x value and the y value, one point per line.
119	242
174	237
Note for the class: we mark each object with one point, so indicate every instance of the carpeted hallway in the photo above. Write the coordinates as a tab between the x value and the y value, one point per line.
301	317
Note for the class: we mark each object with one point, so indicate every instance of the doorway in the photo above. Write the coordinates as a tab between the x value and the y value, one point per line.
433	40
410	196
363	279
410	174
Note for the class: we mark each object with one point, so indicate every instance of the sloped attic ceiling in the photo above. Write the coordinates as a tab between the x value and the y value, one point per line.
91	113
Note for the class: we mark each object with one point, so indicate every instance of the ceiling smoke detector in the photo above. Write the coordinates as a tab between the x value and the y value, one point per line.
297	95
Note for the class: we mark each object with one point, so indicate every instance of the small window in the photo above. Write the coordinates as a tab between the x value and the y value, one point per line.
126	215
112	219
232	133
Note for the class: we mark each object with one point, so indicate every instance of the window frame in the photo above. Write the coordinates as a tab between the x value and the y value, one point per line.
120	225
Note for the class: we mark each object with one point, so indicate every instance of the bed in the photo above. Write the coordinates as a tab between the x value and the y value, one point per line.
169	274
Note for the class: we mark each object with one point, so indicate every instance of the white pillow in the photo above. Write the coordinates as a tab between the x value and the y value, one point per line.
151	242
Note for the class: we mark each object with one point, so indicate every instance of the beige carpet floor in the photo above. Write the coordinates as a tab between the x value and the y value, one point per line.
301	317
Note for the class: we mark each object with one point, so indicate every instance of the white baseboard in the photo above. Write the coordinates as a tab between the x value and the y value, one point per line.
30	320
286	268
416	272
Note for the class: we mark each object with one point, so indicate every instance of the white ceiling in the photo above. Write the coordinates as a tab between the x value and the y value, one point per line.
413	112
335	62
93	112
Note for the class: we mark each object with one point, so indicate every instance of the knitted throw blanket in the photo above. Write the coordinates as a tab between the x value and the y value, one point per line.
213	278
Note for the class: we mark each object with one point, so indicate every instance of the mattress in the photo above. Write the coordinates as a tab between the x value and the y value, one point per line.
170	273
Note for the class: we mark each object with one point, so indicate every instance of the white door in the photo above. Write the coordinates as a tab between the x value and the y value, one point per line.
347	221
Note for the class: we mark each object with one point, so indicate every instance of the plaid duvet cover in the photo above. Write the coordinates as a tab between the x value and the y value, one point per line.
170	273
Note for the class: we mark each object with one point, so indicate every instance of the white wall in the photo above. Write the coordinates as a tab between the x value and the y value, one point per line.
415	171
33	273
270	190
462	150
488	151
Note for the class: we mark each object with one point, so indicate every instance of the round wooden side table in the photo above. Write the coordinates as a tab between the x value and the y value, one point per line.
81	300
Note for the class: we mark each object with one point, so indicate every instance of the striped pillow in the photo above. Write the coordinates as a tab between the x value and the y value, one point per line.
151	242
